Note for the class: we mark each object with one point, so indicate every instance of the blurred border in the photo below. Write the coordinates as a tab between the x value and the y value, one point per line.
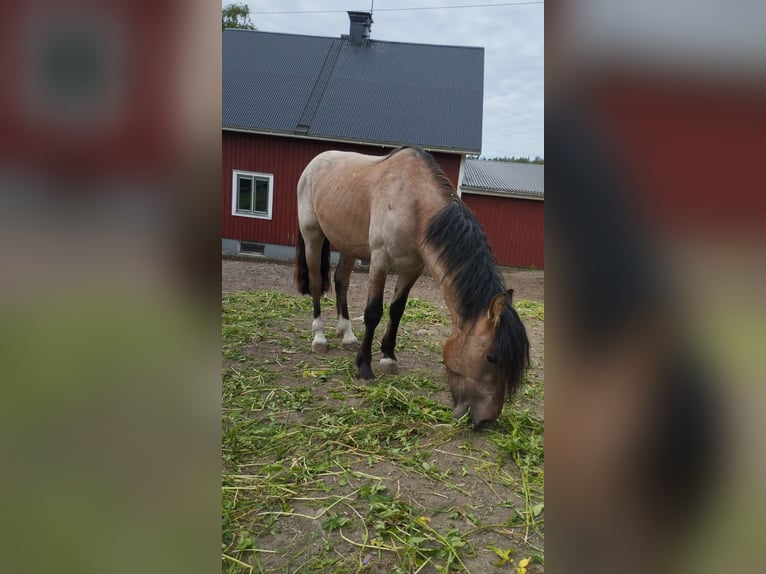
110	300
655	126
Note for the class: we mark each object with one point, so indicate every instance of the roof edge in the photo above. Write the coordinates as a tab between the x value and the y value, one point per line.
369	41
535	196
373	143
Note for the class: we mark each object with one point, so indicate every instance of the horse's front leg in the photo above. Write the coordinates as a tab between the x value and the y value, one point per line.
398	303
319	342
372	315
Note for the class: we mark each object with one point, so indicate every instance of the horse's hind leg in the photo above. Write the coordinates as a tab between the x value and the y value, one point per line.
403	285
342	277
317	260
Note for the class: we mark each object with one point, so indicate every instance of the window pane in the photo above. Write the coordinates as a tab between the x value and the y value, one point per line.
262	195
245	193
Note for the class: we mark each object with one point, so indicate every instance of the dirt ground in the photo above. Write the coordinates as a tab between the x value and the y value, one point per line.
483	504
260	274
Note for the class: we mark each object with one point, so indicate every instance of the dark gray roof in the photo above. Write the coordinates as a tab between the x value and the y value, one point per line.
504	178
383	92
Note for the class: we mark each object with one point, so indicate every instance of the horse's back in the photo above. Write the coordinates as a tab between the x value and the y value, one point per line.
334	173
334	199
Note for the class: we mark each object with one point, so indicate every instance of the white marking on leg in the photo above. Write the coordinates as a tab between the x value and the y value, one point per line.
344	330
319	344
343	326
389	365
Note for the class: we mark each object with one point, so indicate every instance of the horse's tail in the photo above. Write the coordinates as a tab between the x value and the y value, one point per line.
325	266
301	277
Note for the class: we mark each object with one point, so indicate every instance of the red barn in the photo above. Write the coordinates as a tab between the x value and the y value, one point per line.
288	97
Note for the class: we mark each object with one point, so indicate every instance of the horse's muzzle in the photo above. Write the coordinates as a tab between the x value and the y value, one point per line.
462	408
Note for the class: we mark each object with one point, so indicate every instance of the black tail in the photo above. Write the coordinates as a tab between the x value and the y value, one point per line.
325	266
301	277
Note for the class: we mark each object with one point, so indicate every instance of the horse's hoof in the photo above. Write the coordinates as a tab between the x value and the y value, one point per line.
319	347
389	365
365	373
352	344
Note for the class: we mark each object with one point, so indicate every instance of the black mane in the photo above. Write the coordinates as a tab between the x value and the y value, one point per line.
458	237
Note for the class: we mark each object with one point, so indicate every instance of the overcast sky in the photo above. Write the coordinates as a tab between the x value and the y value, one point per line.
512	38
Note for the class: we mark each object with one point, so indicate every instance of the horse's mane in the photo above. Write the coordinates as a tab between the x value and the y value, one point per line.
458	237
455	233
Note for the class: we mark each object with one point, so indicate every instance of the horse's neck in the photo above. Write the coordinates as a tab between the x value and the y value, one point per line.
439	275
430	257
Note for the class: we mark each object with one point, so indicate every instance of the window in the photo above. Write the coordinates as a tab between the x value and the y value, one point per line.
252	194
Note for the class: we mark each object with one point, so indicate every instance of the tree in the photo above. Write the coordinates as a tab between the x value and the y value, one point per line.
520	159
538	160
236	16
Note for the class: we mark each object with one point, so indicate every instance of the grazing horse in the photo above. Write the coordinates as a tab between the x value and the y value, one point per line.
401	213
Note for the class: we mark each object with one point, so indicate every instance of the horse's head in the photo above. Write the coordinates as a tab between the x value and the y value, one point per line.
485	361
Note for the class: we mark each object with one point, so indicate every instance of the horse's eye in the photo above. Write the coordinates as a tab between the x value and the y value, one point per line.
492	359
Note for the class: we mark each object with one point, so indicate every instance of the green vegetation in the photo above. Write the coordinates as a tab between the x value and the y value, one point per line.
236	16
530	309
332	475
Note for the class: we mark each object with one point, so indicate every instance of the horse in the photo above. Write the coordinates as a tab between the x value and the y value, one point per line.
400	212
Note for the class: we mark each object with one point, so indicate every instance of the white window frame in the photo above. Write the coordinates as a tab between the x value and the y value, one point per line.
235	194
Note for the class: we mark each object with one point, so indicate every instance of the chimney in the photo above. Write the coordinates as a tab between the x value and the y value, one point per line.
361	22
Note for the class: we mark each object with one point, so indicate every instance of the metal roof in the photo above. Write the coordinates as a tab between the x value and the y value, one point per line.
382	92
504	178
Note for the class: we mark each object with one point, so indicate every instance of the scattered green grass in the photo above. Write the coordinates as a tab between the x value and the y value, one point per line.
530	309
520	436
309	450
419	311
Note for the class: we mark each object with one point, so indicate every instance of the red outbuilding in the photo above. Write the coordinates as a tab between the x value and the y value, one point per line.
508	200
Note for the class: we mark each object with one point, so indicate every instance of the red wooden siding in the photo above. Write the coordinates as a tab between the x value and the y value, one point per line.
285	158
514	228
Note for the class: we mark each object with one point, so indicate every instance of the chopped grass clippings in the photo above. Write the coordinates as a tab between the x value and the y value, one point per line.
324	473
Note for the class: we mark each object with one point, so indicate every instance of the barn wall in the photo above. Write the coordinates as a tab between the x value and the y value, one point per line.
514	227
285	158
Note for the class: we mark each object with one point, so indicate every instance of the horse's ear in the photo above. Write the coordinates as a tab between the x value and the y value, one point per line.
510	296
496	309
